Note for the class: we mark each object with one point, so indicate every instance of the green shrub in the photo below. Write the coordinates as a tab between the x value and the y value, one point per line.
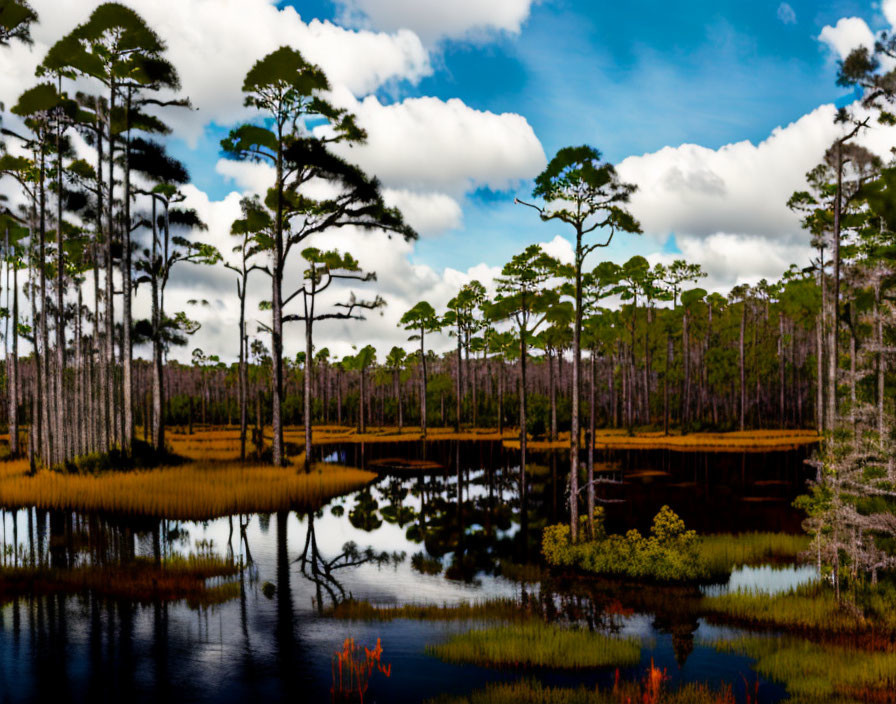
669	553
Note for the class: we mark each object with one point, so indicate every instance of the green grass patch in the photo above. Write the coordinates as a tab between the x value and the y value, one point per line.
820	673
810	607
722	553
536	644
534	692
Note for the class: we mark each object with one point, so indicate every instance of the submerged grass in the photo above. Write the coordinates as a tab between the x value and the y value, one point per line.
195	491
534	692
820	673
536	644
489	610
141	580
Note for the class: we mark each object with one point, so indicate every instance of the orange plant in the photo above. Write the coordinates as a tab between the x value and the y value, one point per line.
352	672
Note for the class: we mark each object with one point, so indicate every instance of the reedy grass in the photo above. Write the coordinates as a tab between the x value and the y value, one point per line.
811	608
195	491
820	673
534	692
724	552
489	610
535	644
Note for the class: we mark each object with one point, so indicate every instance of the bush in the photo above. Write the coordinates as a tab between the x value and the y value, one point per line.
669	553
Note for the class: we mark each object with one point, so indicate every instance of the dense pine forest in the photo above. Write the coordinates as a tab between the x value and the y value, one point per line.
571	357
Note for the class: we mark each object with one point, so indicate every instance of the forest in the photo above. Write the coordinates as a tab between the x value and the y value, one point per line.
505	436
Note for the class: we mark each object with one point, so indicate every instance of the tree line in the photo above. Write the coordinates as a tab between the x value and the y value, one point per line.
554	346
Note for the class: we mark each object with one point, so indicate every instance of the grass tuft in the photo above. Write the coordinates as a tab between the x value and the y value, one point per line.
535	644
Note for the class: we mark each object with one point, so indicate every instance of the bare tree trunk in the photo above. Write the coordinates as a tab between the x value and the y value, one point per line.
591	429
781	410
126	317
459	382
819	381
422	385
743	383
552	392
881	363
834	315
309	347
574	438
666	385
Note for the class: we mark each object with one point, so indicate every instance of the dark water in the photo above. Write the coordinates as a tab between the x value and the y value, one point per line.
271	643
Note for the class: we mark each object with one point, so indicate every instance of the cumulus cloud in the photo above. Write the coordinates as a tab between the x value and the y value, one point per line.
433	20
727	207
849	33
740	187
436	145
213	43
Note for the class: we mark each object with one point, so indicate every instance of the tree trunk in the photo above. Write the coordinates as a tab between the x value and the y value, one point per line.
743	384
309	347
574	438
422	385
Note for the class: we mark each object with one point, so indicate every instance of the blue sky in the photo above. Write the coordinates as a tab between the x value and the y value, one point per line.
715	110
629	78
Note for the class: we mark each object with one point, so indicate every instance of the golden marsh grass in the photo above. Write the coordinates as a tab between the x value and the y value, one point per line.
194	491
746	441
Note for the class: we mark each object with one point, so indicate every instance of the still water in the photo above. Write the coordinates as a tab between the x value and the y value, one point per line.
433	536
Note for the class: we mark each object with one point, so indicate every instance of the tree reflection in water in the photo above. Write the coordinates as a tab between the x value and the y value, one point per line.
322	571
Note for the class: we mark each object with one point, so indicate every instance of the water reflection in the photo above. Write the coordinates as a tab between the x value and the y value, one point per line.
445	532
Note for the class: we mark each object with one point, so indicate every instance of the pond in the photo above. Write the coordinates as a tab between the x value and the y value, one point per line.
439	526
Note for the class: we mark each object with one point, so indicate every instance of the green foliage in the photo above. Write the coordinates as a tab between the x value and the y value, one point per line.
669	553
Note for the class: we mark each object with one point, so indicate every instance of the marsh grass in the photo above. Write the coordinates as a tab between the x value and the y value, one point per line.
141	580
194	491
820	673
741	441
811	607
724	552
489	610
535	644
530	691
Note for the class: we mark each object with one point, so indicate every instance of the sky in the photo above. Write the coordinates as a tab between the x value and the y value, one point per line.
715	110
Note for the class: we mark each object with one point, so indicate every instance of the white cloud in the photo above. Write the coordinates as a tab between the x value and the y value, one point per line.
727	207
889	9
430	144
849	33
428	213
213	43
740	187
435	19
786	13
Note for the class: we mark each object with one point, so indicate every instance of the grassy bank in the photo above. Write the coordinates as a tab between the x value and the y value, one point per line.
811	608
193	491
820	673
537	645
